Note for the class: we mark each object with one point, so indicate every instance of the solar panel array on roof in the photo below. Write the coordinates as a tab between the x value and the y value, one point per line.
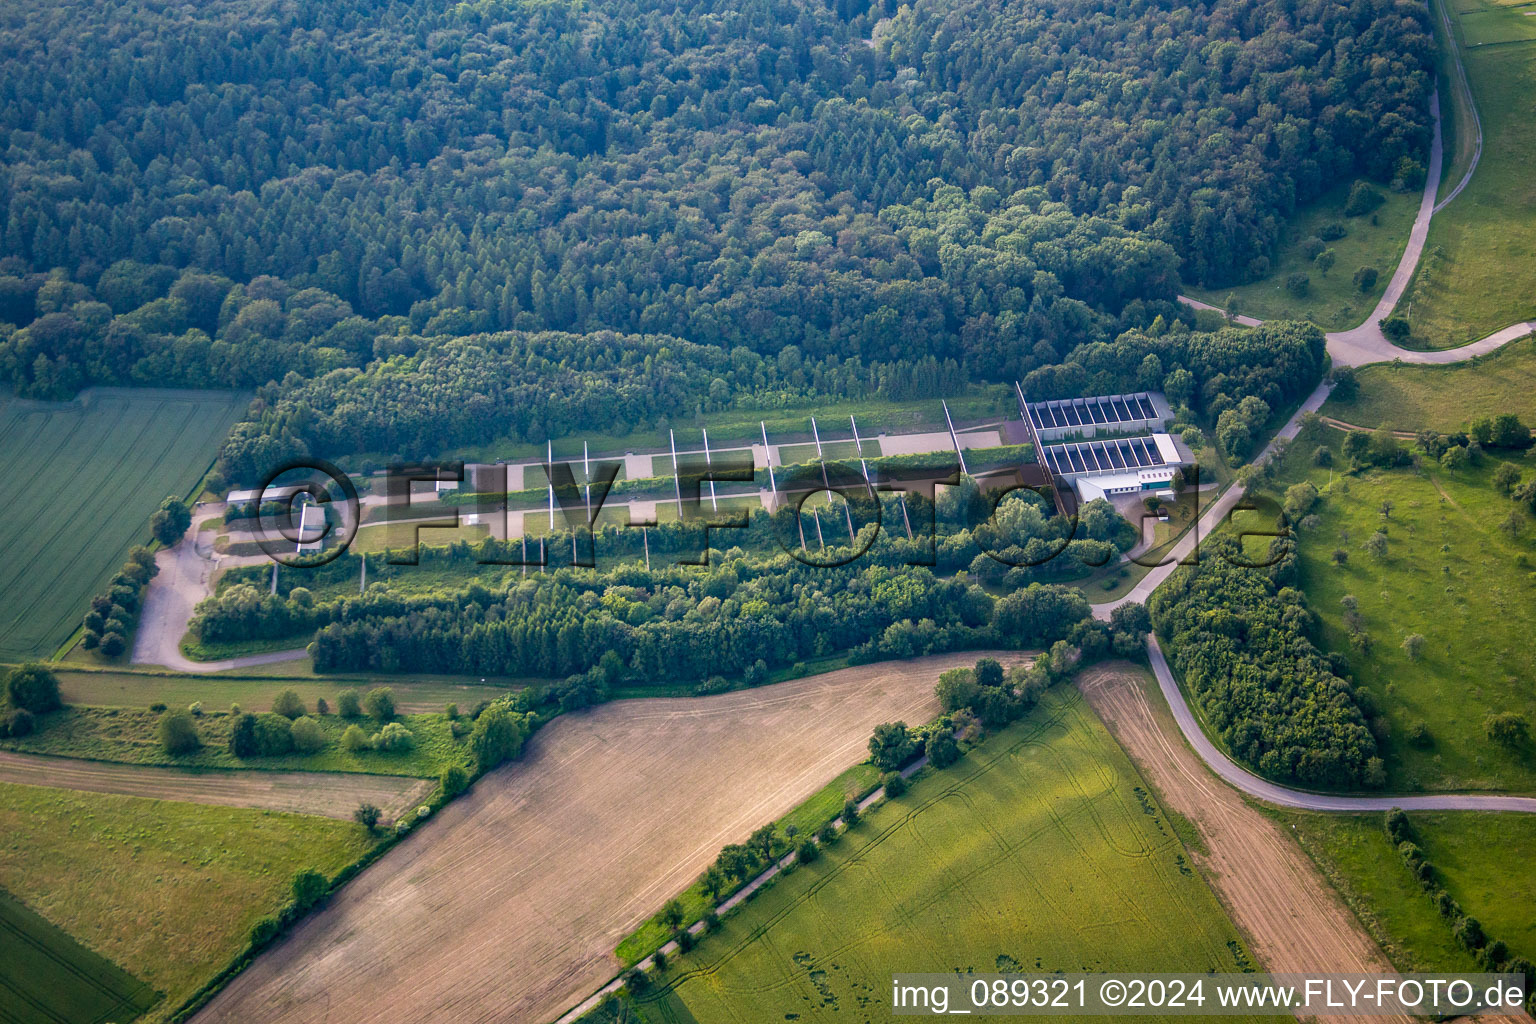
1104	411
1104	456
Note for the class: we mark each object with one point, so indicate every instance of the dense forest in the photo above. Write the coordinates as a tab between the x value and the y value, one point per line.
756	200
1241	638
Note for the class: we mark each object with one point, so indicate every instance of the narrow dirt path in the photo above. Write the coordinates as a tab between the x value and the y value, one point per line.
1275	894
507	904
327	794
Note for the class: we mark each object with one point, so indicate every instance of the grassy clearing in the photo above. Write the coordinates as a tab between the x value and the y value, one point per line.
168	891
1484	861
78	481
130	736
735	428
49	977
255	693
1451	575
1476	275
826	804
1041	850
1444	398
404	535
1333	302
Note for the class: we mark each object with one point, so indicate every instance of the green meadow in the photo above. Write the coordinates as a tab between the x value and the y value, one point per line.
1451	574
1400	396
1476	275
49	978
78	481
1332	301
1041	850
1483	860
166	891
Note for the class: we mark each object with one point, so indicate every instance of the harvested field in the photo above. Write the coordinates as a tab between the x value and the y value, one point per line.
1039	851
328	794
1288	911
508	904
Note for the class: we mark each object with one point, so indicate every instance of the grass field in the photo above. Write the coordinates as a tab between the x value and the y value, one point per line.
1332	301
1450	575
49	978
1484	862
1041	850
78	481
1444	398
1476	275
739	427
130	736
167	891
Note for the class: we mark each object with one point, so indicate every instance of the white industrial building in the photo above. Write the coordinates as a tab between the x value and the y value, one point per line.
1072	418
1116	466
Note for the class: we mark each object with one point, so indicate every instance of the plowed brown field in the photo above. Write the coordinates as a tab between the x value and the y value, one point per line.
507	905
1292	917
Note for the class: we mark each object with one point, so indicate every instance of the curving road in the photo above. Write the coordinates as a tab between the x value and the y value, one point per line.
1365	344
1275	794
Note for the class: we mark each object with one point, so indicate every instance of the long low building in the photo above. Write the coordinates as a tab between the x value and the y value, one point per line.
1071	418
1128	465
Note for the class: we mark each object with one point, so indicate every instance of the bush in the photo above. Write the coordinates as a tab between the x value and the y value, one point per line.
380	703
1322	456
684	939
807	852
242	736
394	738
1395	328
264	931
170	521
850	812
288	705
367	815
1509	729
113	644
827	834
498	736
895	784
274	735
1419	735
17	722
354	740
1366	277
1362	199
348	705
1298	284
309	888
178	733
943	751
33	688
195	709
308	737
454	781
321	707
891	745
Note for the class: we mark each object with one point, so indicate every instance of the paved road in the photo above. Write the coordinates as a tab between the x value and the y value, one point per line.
1214	513
328	794
186	576
1365	344
1276	794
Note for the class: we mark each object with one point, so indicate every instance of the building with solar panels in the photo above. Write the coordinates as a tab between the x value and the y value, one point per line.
1105	468
1074	418
1107	446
